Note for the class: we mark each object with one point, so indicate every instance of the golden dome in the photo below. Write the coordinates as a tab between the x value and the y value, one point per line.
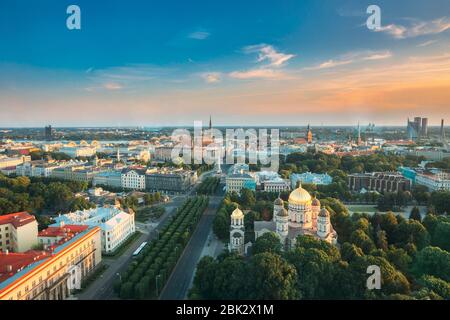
299	196
237	214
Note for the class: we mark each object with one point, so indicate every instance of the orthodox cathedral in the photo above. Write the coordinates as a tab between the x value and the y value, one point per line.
303	217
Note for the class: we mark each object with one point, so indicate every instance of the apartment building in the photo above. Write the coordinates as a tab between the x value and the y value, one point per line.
18	232
378	181
52	273
116	224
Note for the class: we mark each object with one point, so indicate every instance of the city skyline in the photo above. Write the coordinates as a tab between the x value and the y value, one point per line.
290	64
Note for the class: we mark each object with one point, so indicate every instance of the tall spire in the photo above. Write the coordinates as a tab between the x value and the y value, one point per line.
210	122
359	134
309	134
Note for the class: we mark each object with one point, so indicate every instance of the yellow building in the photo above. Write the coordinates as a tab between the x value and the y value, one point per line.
52	273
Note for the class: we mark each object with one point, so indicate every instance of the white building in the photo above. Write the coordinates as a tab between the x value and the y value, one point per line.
237	232
310	178
108	178
82	150
116	224
133	179
237	181
37	168
270	181
276	185
434	181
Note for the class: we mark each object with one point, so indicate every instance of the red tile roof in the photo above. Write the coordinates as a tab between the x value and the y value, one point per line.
64	231
17	219
11	263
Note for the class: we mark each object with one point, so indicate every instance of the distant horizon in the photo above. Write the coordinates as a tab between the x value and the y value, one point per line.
214	126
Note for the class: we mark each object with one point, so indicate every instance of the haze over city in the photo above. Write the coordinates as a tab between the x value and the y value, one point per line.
152	64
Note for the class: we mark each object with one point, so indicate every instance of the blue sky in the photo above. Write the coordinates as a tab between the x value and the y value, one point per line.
168	62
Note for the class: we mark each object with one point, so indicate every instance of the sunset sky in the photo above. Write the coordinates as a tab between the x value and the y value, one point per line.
155	63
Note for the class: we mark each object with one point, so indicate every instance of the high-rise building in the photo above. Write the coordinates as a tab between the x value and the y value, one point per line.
414	128
48	133
424	128
442	133
417	123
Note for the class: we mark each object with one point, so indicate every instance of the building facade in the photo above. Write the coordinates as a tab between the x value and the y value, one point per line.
6	162
18	232
116	225
51	274
170	181
133	179
310	178
378	181
108	178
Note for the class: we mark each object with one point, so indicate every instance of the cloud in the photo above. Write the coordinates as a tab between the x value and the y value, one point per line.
378	56
330	64
352	57
258	74
112	86
268	53
199	35
211	77
426	43
417	28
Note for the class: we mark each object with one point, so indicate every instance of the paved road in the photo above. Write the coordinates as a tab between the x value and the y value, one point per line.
102	288
179	282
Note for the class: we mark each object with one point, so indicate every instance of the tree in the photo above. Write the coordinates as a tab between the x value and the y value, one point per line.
268	242
314	269
438	286
389	224
126	290
441	237
441	201
381	240
204	277
393	281
415	214
247	198
221	225
399	258
412	231
350	251
230	278
362	240
270	277
430	222
432	261
80	203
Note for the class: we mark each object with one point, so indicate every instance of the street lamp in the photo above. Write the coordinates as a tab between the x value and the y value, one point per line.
156	283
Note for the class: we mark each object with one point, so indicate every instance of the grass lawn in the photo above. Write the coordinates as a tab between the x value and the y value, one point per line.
146	213
362	208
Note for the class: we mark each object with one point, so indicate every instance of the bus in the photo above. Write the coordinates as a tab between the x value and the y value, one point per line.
138	250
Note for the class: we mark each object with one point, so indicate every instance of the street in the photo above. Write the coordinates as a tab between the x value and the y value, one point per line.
102	288
179	282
